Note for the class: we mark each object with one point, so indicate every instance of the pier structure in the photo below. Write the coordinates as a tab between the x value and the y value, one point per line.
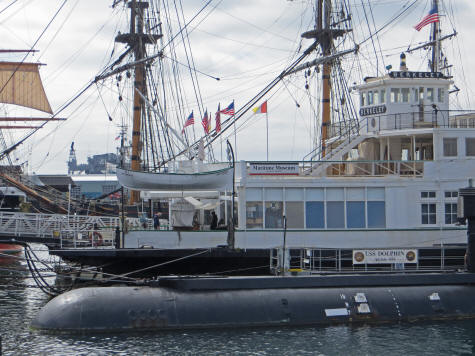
60	230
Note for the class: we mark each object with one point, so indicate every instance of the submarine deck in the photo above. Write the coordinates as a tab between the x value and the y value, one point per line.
316	281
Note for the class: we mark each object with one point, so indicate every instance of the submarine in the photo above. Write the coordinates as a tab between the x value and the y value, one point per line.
177	303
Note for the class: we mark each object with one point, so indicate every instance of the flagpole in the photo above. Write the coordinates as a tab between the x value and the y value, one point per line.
267	129
234	122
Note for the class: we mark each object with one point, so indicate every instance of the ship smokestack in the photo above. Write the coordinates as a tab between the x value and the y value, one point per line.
403	66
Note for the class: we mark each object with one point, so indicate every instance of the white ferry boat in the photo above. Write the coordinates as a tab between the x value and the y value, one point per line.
387	179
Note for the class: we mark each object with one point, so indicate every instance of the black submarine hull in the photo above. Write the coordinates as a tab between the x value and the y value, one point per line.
252	302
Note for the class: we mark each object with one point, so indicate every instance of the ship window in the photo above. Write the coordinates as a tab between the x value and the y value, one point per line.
254	215
405	95
376	97
315	214
415	94
355	214
451	194
395	95
440	95
294	207
294	214
335	194
254	194
335	214
314	194
363	99
470	146
376	214
355	194
375	193
294	194
450	213
428	214
430	94
370	98
429	195
273	214
273	194
382	98
450	147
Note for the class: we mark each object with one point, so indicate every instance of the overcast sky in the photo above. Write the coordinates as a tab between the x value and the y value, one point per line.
244	42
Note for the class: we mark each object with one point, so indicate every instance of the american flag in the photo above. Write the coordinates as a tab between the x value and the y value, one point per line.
229	110
206	123
432	16
189	121
218	120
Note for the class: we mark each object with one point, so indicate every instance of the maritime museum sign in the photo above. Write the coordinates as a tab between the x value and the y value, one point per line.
412	75
384	256
278	169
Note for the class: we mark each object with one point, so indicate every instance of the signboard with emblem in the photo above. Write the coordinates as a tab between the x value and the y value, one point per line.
381	256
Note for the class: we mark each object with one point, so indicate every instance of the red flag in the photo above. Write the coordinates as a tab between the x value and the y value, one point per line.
218	120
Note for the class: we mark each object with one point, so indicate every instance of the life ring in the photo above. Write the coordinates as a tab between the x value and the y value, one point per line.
96	238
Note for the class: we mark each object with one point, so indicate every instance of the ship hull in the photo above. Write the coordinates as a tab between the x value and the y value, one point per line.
10	249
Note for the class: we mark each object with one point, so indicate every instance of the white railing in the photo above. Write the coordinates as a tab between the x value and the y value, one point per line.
68	230
321	260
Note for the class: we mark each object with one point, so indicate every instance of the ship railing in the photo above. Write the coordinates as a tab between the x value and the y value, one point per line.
95	238
416	120
59	227
324	260
365	168
343	133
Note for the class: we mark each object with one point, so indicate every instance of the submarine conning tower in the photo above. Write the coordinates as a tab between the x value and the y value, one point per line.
466	211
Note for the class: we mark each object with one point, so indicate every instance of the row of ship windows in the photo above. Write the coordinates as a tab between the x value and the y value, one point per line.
333	215
316	214
338	214
429	210
433	194
402	95
450	146
429	213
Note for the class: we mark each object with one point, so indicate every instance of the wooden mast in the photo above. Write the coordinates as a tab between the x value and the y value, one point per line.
324	35
137	40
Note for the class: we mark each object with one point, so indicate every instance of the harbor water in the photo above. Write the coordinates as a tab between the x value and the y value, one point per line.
20	300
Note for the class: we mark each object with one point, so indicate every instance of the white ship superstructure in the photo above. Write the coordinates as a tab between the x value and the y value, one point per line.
387	176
